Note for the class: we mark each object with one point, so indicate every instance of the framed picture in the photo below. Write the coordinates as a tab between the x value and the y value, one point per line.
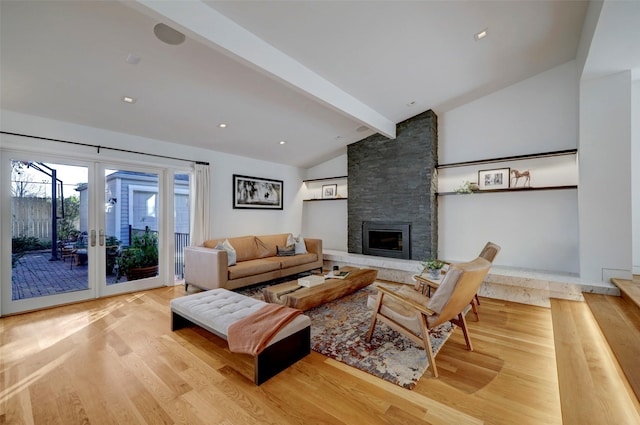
494	179
329	191
257	193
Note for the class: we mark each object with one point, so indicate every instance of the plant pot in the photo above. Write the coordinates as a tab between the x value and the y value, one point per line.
142	272
435	273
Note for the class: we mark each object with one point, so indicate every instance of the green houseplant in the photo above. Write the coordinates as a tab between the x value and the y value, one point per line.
139	260
434	266
467	187
112	246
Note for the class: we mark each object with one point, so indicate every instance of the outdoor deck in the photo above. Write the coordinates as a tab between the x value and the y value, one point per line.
36	276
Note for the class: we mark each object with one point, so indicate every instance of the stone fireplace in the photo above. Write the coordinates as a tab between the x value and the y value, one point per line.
393	181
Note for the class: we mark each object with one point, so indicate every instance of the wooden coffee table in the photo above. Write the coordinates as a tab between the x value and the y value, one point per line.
300	297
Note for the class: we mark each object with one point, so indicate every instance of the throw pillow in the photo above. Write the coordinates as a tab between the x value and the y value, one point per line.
263	249
286	251
231	252
301	247
291	240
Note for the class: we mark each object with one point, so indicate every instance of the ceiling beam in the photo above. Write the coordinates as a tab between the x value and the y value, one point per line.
198	19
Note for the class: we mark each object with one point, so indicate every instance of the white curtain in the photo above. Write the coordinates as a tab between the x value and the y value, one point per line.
200	208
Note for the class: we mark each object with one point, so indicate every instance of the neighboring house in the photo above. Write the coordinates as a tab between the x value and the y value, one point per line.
131	199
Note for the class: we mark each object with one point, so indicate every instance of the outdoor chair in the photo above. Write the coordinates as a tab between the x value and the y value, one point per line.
79	251
414	314
66	250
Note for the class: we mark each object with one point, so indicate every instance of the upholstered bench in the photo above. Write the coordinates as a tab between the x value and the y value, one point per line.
217	309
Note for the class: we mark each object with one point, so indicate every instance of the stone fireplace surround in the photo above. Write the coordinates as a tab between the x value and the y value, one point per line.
393	181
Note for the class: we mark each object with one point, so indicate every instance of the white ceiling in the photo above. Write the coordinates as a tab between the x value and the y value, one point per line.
615	44
308	72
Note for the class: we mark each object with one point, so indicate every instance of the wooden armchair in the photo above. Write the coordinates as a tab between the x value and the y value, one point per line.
414	314
426	285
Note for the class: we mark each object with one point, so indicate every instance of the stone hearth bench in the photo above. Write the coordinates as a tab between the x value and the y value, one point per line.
534	287
217	309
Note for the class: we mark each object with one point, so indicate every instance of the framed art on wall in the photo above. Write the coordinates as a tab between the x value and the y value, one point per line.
494	179
257	193
329	191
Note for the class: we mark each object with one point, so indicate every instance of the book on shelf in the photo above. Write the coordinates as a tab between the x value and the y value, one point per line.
336	275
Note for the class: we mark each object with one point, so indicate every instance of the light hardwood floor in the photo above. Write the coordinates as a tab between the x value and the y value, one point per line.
116	360
593	388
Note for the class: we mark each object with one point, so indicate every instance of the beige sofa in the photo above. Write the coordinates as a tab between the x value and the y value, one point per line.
256	261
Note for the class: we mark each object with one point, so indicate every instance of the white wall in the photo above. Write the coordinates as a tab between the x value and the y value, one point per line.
225	220
334	167
327	220
536	230
539	114
605	182
236	222
635	172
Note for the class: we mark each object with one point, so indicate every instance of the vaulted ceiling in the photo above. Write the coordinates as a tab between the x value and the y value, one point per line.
316	74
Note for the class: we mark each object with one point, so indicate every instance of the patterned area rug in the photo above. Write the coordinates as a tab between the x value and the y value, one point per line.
339	329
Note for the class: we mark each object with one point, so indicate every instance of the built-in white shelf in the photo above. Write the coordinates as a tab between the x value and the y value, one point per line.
324	179
557	170
325	199
509	158
315	188
512	189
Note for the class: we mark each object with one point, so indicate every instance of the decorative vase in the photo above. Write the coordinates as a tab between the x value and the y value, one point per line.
434	273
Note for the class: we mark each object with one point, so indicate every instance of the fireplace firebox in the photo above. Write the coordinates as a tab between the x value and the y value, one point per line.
386	239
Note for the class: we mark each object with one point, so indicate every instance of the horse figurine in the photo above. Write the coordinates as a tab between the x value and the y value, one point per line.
516	175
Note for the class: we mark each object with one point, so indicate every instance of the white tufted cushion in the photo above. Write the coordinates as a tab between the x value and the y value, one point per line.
217	309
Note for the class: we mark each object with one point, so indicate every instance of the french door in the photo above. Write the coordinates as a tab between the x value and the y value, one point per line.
129	228
78	230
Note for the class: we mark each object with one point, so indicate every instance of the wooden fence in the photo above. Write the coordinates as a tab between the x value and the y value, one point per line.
31	217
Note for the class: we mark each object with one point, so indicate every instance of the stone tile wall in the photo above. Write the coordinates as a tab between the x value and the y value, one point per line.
393	180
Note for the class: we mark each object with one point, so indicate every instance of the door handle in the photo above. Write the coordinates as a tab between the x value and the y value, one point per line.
101	237
93	237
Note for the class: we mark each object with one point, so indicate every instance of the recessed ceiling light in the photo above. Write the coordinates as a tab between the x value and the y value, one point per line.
362	128
410	104
282	142
222	125
482	34
129	99
133	59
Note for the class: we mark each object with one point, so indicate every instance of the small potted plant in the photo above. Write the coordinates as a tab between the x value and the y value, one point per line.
467	187
140	260
434	266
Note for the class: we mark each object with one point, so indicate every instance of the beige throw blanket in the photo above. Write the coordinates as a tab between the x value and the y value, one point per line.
253	333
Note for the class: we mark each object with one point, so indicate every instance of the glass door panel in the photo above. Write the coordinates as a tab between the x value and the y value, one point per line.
130	229
50	258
